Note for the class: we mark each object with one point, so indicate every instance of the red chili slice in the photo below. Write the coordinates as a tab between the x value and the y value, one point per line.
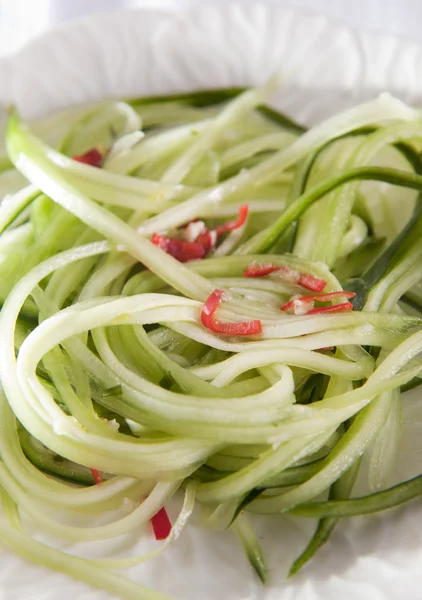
255	270
305	280
232	225
344	306
320	298
161	525
180	249
97	476
92	157
309	282
301	305
330	296
205	239
207	318
184	251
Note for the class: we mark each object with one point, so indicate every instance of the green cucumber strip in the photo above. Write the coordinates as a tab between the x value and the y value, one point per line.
13	206
11	511
377	502
78	568
413	300
263	241
340	490
51	463
251	545
217	96
410	385
391	255
247	499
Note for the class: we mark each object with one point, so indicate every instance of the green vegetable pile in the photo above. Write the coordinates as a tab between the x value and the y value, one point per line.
199	294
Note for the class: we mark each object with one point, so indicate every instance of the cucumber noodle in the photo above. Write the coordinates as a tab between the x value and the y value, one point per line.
106	365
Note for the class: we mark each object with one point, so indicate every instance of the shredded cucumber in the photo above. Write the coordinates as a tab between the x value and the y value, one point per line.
112	368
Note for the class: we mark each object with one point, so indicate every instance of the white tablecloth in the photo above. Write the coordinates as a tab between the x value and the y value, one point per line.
20	20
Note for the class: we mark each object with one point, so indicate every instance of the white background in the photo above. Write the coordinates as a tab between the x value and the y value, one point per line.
21	20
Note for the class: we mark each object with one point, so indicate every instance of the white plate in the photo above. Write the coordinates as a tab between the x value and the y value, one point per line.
327	68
